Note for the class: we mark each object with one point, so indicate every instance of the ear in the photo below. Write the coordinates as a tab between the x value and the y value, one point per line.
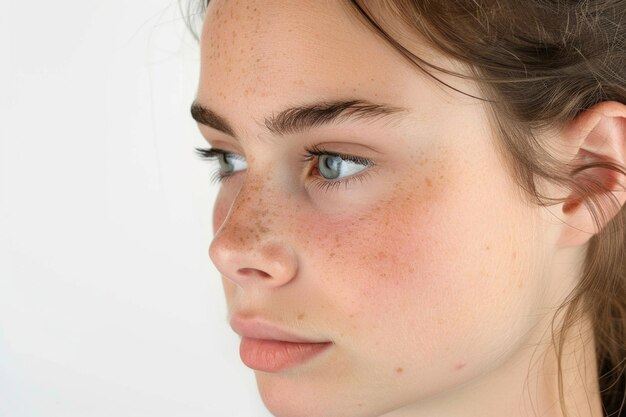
597	135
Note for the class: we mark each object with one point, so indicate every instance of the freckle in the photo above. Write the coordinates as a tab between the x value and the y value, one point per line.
459	366
429	182
399	370
351	315
487	247
360	405
300	316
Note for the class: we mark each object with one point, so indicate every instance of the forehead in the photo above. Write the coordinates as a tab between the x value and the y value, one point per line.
283	49
260	56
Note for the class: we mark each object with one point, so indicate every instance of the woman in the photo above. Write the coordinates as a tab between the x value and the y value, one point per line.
420	210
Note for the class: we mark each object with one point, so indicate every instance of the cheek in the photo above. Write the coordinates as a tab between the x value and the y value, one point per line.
428	263
378	255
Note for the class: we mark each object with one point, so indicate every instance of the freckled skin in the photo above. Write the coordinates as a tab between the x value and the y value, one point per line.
426	264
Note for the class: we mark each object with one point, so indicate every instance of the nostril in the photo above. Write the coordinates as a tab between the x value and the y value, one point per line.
253	271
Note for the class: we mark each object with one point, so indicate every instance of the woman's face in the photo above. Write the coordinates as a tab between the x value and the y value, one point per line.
424	268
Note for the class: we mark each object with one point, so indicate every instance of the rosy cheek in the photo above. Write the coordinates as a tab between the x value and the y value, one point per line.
371	256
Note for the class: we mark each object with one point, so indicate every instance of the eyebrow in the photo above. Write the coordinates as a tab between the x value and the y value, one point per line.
299	119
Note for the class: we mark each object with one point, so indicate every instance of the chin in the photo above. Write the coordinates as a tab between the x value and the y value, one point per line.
293	396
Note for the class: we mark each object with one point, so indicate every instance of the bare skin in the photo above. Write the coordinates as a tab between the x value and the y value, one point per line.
429	271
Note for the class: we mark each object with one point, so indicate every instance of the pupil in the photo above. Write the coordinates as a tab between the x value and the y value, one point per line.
332	164
226	167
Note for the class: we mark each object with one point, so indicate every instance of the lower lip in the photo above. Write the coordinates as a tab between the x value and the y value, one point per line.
276	355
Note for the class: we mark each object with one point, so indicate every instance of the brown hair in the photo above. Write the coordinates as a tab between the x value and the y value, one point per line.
539	63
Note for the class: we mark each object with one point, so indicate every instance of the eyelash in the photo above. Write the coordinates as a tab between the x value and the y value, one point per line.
211	154
315	151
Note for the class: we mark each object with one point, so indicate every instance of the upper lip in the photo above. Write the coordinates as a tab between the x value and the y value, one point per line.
258	328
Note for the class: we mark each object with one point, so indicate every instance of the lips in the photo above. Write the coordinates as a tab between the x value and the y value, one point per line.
269	348
257	328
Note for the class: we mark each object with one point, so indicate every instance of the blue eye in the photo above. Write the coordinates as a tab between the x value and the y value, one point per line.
229	162
334	168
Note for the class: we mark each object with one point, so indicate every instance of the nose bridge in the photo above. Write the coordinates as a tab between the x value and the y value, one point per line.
249	216
250	245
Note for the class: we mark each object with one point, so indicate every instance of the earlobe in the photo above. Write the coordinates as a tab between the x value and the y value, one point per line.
599	135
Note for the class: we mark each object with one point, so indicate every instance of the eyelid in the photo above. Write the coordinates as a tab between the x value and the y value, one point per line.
318	150
326	185
210	153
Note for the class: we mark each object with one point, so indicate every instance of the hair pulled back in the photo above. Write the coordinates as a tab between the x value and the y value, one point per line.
539	63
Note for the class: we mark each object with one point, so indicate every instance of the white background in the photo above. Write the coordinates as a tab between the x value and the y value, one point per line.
109	305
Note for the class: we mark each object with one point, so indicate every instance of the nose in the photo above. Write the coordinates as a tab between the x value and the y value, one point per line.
249	247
